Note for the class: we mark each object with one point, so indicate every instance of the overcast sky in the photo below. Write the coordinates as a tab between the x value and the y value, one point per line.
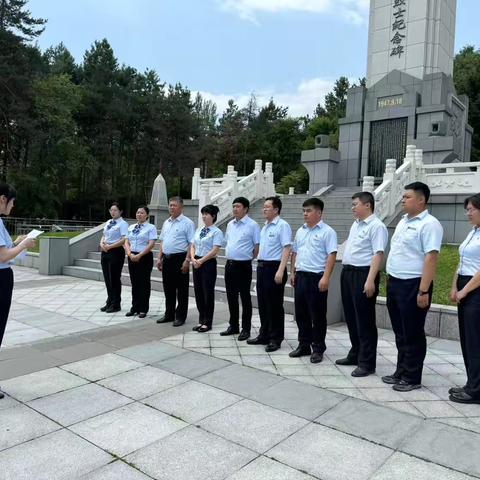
291	50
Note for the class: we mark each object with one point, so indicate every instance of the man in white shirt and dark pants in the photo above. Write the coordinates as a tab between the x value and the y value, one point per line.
411	268
359	281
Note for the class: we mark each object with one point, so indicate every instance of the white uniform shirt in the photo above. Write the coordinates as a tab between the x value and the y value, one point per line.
5	241
114	230
412	240
177	234
139	234
242	236
469	252
274	237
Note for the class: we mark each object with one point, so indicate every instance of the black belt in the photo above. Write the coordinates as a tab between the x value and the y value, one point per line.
309	274
173	255
240	262
354	268
268	262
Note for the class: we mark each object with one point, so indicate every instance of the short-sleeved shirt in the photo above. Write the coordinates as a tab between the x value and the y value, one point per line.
413	239
139	234
5	241
366	238
206	238
242	236
114	230
469	252
274	237
313	246
177	234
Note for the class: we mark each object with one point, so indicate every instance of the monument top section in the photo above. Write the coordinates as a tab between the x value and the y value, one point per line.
413	36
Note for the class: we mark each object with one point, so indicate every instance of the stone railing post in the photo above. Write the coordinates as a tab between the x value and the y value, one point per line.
269	185
232	180
258	179
420	170
368	184
195	183
291	190
203	199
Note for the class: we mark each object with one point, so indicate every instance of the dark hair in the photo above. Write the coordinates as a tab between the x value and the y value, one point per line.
419	187
474	200
211	210
8	191
276	203
244	201
365	197
116	204
177	199
147	210
314	202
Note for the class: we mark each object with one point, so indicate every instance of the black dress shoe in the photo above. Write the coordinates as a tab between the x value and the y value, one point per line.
316	357
204	328
244	334
164	319
272	347
112	309
1	395
142	315
404	386
362	372
178	323
258	341
130	313
463	397
300	351
104	308
196	328
456	390
346	361
391	379
229	331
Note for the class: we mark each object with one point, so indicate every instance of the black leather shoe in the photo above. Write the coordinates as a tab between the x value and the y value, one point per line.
178	323
346	361
455	390
257	341
244	334
142	315
130	313
391	379
104	308
164	319
272	347
361	372
1	395
300	351
112	309
404	386
229	331
316	357
463	397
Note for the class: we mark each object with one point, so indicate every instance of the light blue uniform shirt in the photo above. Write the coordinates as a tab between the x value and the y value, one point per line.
5	241
412	240
470	254
114	230
274	237
366	238
213	238
313	246
177	234
139	234
241	236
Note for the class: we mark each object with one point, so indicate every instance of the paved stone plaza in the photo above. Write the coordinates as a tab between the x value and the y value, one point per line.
98	396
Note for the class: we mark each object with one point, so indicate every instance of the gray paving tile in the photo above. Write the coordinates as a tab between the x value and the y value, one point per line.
151	352
142	382
299	399
192	364
263	468
8	402
241	380
104	366
80	351
192	401
19	424
373	422
60	455
16	367
128	428
40	384
115	471
330	455
191	453
78	404
446	445
400	467
253	425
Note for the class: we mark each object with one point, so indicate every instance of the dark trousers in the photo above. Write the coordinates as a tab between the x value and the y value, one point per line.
204	279
6	288
408	323
140	273
469	326
112	265
270	302
310	311
175	286
238	279
359	311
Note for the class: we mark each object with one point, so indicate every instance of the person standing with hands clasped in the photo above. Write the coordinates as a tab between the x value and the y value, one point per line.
139	243
113	257
8	251
359	281
411	267
466	293
313	259
275	247
174	262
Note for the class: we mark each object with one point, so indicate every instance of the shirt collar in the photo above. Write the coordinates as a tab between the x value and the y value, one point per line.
242	220
274	221
178	219
320	224
367	220
420	216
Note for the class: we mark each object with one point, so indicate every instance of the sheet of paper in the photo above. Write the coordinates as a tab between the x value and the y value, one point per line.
34	233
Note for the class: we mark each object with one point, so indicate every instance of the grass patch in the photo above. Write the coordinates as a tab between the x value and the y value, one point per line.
447	264
53	235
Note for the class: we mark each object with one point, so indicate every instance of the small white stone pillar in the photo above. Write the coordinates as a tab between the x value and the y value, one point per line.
258	179
291	190
204	199
268	175
195	183
420	170
368	184
232	180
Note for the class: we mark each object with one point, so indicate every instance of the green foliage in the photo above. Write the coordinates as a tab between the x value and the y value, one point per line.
297	179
